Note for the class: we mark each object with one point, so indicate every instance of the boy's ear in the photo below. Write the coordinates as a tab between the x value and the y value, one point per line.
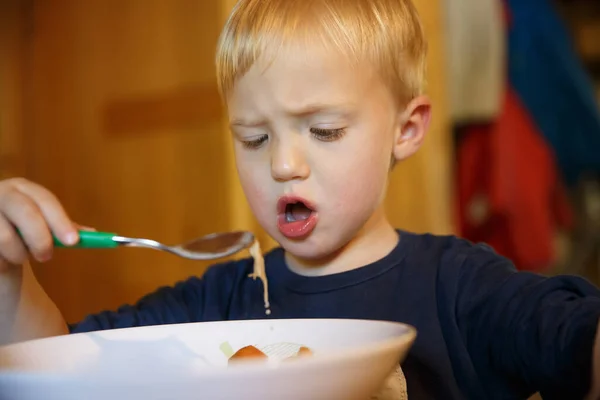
412	126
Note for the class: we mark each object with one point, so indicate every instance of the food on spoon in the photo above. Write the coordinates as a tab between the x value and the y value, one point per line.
259	272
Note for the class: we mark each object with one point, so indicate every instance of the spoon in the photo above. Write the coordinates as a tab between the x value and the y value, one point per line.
209	247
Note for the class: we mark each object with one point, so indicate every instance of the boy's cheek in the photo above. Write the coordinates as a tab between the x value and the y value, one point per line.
366	175
256	194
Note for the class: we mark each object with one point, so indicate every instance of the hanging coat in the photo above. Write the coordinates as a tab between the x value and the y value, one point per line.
509	190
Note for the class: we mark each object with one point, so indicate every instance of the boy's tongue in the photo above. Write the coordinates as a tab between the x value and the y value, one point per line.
297	212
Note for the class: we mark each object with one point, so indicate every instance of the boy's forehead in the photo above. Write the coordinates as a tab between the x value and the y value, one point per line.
303	79
310	60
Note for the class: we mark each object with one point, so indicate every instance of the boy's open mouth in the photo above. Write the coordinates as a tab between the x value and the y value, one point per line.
296	217
296	212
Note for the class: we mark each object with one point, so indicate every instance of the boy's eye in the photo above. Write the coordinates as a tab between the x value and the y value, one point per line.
327	135
255	143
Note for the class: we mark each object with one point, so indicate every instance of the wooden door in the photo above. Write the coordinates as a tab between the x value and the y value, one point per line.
13	31
112	105
124	124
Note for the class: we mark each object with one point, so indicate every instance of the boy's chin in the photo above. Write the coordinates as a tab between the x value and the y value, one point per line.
307	249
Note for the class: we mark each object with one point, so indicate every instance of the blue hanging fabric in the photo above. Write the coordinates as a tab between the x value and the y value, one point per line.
553	85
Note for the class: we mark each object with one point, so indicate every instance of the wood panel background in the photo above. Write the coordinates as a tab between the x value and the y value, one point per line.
420	196
112	105
13	31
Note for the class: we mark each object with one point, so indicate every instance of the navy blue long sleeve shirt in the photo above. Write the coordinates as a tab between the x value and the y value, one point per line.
485	331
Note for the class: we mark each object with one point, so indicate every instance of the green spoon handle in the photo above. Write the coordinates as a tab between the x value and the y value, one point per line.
91	240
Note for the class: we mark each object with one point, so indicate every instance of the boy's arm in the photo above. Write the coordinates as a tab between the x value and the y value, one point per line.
530	331
192	300
29	214
168	305
26	311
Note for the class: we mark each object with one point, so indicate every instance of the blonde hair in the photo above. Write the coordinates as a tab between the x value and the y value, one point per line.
388	34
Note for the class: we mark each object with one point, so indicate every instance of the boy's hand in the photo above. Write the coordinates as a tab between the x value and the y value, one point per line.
35	213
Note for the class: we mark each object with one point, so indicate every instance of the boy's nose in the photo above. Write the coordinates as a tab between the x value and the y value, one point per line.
288	162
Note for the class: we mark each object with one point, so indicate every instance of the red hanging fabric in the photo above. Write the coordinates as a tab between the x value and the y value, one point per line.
509	191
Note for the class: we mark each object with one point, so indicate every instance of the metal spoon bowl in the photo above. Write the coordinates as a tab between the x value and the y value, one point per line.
208	247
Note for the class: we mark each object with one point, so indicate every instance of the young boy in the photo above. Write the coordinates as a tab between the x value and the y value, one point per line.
324	96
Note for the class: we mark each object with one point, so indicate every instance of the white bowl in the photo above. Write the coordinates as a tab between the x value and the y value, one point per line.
351	360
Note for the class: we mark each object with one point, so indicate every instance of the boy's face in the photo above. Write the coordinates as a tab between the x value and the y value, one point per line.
312	129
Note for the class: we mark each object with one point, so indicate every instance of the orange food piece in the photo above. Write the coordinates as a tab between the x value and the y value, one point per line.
247	352
304	351
252	352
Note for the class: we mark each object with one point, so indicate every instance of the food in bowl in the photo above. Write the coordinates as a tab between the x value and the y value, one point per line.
280	351
247	352
304	351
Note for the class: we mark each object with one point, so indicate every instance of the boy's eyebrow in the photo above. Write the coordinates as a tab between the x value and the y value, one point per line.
247	123
307	110
314	108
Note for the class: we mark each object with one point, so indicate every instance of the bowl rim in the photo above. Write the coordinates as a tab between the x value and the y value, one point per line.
249	367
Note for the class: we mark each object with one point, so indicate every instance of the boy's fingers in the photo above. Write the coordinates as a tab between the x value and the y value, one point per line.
53	212
21	212
12	249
